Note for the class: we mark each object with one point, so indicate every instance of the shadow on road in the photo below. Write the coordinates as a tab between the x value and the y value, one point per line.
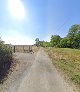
4	71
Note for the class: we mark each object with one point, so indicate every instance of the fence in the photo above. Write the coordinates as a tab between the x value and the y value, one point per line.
21	48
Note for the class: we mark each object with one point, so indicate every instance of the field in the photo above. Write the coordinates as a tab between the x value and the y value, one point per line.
68	61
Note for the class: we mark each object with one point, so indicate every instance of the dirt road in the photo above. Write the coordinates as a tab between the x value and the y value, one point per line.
38	75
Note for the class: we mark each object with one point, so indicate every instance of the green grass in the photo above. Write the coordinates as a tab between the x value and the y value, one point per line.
67	60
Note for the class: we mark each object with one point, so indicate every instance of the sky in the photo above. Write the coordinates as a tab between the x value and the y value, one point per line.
22	21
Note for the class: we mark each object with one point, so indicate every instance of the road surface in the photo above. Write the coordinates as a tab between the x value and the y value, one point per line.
38	75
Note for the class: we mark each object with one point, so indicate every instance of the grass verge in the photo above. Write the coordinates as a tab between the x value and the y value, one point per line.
68	61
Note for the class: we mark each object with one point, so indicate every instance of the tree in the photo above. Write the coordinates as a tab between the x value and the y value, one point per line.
55	40
78	39
41	43
37	42
46	44
64	43
74	36
72	40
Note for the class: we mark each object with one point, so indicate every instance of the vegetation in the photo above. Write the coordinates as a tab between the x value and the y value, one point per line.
5	55
37	42
72	40
55	40
67	60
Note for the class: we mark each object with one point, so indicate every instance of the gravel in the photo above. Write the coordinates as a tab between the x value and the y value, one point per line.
14	78
35	73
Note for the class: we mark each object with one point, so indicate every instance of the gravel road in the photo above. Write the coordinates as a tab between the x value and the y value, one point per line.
36	75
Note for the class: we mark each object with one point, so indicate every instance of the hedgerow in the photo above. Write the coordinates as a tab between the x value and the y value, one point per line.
5	55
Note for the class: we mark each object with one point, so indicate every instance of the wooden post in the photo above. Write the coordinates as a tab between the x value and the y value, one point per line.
14	49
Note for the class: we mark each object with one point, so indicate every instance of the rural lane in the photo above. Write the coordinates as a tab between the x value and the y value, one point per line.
40	76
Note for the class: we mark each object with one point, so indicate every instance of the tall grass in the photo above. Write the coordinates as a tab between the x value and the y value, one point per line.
67	60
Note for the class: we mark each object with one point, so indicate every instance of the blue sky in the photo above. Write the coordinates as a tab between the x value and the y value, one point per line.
36	18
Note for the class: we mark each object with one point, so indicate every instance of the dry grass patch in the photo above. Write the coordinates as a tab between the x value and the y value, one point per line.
67	60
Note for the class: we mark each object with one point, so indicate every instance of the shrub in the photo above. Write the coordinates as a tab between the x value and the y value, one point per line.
5	55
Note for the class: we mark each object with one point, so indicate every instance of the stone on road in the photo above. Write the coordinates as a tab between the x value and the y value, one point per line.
43	77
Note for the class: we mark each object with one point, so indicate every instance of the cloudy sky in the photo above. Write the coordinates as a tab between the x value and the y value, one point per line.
21	21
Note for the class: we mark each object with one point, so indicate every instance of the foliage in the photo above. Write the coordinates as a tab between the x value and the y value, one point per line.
55	40
63	42
41	43
72	40
46	44
5	54
74	36
37	42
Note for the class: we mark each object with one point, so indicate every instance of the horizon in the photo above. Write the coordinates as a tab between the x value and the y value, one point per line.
22	21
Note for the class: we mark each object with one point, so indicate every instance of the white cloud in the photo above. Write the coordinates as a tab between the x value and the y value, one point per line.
16	38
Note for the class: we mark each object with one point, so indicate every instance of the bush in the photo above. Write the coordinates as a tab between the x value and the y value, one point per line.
5	55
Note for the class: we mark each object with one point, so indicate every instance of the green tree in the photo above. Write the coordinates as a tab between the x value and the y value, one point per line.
37	42
64	43
78	39
46	44
55	40
74	36
41	43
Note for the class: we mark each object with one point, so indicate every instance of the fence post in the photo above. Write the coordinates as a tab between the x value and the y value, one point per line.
14	49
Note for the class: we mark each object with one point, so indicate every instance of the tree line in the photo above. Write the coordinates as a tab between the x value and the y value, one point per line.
72	40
